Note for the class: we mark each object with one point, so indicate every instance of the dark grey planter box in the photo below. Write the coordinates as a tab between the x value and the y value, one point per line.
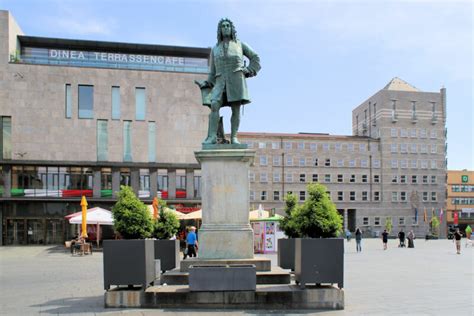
286	253
168	253
129	262
232	277
319	260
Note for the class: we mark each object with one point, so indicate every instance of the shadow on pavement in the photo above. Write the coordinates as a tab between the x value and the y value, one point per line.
74	305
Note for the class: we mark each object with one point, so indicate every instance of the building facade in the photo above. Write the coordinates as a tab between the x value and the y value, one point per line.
392	167
84	117
460	199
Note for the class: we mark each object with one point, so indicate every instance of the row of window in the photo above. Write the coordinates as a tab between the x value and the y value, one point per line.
413	148
463	201
377	220
352	196
414	179
462	188
425	196
326	147
85	102
318	162
413	163
413	132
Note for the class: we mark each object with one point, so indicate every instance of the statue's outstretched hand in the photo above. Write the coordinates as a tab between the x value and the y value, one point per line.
202	83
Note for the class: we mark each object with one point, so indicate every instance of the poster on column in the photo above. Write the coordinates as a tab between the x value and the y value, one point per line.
269	236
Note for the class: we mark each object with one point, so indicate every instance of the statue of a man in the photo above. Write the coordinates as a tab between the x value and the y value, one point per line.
227	78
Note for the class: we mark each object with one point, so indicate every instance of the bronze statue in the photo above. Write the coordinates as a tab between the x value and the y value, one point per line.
226	84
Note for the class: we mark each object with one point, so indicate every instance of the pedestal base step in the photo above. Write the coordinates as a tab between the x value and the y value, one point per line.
277	297
276	276
261	264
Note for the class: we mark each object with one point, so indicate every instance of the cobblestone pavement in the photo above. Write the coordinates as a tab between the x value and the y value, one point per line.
428	280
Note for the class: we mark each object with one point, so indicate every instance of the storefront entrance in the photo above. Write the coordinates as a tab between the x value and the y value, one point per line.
34	231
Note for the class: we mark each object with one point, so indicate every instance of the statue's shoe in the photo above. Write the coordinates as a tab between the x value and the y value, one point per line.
210	140
234	140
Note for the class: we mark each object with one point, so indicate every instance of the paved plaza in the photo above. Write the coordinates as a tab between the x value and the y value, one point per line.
428	280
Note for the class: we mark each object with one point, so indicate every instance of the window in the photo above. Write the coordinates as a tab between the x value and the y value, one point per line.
374	147
414	179
365	221
413	110
413	133
413	149
289	161
376	196
263	177
302	161
276	177
414	163
414	220
362	148
327	178
127	140
288	145
68	101
403	196
251	177
302	177
352	163
276	195
364	163
86	101
263	196
364	178
151	141
352	179
424	164
6	137
276	160
301	145
340	196
338	147
327	162
433	179
422	133
140	104
102	140
289	177
315	162
249	144
394	163
403	132
313	147
393	148
376	221
352	195
364	195
115	103
144	186
424	197
252	195
394	196
393	132
403	148
376	178
275	145
302	195
340	178
105	179
433	134
262	145
350	147
340	162
376	163
433	164
404	163
401	221
326	147
403	179
315	177
424	148
425	179
433	197
394	178
263	160
162	180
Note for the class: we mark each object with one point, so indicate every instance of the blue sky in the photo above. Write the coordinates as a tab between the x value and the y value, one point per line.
320	59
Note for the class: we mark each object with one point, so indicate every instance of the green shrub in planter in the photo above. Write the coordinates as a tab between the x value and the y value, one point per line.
288	224
167	225
131	216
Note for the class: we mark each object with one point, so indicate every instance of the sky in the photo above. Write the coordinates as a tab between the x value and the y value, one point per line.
320	59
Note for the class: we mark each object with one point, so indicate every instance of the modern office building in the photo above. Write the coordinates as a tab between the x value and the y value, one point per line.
460	199
83	117
392	167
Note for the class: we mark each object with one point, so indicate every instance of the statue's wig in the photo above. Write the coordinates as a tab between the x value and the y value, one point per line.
233	35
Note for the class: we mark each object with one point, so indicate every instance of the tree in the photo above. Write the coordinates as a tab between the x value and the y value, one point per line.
318	216
167	225
131	216
388	224
287	224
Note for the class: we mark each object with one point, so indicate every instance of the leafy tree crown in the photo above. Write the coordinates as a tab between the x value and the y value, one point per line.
167	225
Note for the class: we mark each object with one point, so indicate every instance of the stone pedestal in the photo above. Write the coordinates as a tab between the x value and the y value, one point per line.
225	232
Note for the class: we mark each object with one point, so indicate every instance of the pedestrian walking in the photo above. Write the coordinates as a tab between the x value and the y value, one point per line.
348	235
358	234
457	240
191	243
401	237
411	239
384	239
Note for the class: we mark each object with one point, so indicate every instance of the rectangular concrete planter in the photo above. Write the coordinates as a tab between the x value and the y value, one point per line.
239	277
129	262
168	253
319	260
286	253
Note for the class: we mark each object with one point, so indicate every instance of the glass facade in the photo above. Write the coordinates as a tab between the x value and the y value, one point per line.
6	137
140	104
102	140
68	101
127	141
115	103
151	141
86	101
